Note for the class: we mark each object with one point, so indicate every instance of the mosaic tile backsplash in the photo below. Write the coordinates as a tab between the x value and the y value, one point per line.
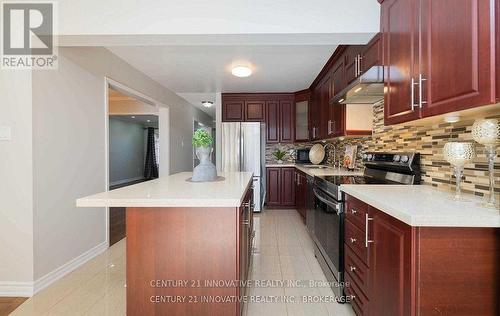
427	140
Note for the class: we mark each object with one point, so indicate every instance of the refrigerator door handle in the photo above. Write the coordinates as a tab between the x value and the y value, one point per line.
241	147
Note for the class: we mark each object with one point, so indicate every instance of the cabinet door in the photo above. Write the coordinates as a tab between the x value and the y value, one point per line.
338	76
273	181
390	265
400	48
287	122
352	62
288	186
315	113
372	54
255	111
232	111
272	122
456	58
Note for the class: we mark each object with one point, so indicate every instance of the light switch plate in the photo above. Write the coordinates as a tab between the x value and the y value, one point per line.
5	133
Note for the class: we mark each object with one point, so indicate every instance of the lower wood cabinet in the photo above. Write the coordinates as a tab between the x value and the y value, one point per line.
245	238
396	269
280	186
301	193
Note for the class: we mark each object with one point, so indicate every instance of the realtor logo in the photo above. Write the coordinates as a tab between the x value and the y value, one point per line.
28	40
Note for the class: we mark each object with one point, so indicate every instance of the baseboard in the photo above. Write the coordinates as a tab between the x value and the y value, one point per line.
68	267
16	289
125	181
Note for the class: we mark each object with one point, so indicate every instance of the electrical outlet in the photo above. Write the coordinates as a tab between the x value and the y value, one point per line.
5	133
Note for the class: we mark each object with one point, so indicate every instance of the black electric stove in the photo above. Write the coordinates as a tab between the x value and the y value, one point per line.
380	168
327	224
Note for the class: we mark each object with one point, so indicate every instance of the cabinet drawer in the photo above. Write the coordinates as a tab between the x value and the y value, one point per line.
355	238
359	301
356	211
356	269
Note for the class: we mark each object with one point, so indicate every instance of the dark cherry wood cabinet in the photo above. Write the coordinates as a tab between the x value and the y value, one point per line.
276	109
273	186
233	110
438	57
287	121
456	68
353	59
245	240
399	27
272	121
395	269
280	186
255	111
302	115
301	193
372	54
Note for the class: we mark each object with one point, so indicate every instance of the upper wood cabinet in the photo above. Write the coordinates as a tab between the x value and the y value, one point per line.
255	111
372	54
242	108
302	101
272	121
280	119
287	122
438	57
233	110
353	57
400	41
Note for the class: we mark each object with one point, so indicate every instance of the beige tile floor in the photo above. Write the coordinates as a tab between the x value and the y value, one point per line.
282	250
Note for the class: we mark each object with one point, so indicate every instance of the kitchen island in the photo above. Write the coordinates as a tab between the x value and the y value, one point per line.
188	244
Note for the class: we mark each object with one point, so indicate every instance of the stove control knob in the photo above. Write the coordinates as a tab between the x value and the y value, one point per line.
365	156
370	156
396	158
404	159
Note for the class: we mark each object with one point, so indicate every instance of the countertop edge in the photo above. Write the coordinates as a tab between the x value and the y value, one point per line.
422	221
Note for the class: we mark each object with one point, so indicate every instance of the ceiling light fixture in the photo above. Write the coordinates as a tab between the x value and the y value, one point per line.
207	104
241	71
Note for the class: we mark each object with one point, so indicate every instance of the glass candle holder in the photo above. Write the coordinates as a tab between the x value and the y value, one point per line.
458	154
487	132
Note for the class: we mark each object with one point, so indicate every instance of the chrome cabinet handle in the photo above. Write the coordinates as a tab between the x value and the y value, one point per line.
352	268
246	222
353	211
356	66
353	240
359	66
367	219
421	79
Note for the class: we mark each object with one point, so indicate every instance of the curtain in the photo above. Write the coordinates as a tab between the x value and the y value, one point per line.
151	165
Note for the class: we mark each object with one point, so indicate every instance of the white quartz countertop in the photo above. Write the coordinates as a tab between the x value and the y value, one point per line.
175	191
325	171
423	205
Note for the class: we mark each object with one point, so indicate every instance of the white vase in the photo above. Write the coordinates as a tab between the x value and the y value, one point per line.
205	171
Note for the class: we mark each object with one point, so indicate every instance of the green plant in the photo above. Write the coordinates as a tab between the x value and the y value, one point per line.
201	138
279	154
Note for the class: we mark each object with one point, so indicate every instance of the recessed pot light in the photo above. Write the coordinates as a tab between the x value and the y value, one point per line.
451	118
207	104
241	71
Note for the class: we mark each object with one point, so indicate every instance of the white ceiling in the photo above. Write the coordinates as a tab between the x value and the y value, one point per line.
198	72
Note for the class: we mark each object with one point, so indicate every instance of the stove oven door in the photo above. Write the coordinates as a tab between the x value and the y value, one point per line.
329	236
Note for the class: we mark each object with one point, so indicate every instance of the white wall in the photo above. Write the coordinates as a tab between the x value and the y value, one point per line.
57	154
16	186
126	151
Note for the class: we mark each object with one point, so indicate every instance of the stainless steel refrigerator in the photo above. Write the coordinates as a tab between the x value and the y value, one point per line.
243	149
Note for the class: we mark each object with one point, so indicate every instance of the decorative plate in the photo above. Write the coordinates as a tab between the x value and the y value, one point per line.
317	154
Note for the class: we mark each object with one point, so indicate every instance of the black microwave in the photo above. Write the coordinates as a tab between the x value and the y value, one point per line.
302	155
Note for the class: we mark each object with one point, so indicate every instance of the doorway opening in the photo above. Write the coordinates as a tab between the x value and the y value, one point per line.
136	150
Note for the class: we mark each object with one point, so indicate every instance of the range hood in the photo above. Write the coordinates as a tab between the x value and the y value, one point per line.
366	89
